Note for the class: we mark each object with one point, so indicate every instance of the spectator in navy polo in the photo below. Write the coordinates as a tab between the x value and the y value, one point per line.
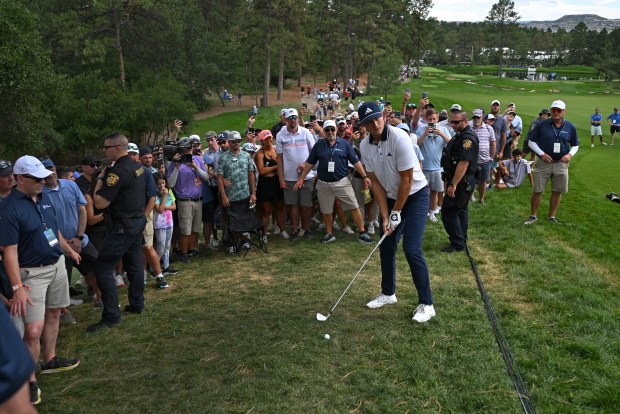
34	260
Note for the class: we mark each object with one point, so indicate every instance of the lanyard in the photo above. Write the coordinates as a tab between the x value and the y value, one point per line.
40	214
555	131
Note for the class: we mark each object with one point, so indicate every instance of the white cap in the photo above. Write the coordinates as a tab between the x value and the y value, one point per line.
283	111
31	166
249	147
341	121
291	112
495	101
329	123
132	148
558	104
490	116
455	107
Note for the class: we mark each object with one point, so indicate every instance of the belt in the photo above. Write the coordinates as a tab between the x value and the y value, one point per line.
189	199
52	262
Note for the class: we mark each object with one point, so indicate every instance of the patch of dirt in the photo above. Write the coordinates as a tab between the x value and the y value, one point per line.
289	96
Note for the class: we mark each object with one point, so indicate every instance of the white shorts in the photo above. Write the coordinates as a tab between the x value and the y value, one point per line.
596	130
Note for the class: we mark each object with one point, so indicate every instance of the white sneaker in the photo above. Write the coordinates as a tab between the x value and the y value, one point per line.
284	235
381	300
336	226
322	226
592	146
371	228
423	313
276	229
433	218
80	281
437	211
265	239
348	230
301	232
376	223
119	281
75	302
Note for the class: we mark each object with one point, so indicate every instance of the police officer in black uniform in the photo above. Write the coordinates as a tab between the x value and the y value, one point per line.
460	162
120	191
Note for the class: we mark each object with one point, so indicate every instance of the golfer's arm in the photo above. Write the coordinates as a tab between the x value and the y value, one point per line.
380	196
404	187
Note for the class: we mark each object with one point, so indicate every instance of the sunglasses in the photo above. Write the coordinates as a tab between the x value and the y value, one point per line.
37	179
5	164
234	141
93	165
456	122
105	147
411	106
292	117
328	129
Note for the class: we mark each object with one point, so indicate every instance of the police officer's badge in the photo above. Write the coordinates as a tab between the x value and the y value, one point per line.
467	144
112	179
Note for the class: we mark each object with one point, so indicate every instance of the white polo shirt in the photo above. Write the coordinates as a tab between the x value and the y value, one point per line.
394	153
295	149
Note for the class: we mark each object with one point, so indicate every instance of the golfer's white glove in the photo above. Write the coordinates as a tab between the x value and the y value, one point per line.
394	219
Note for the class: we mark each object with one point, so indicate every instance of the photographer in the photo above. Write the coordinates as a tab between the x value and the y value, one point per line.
186	174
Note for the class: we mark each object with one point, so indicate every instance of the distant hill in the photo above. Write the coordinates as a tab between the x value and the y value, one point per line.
568	22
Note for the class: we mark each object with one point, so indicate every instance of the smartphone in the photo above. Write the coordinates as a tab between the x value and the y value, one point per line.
431	125
312	118
186	159
257	131
424	95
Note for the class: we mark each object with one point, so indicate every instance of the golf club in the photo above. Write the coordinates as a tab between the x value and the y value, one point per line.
322	318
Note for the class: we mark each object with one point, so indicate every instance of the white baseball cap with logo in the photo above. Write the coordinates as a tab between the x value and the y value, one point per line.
558	104
31	166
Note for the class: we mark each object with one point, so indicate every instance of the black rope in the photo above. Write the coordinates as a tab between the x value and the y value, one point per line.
511	363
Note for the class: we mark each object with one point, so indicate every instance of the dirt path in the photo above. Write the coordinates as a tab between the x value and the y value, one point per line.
290	96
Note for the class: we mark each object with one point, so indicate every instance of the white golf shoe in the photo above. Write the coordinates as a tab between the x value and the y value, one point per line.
423	313
381	300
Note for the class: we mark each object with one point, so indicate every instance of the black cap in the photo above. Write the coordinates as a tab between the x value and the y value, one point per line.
6	169
88	159
544	111
145	151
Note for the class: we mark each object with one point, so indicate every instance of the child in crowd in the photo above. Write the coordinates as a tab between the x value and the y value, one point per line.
513	171
162	221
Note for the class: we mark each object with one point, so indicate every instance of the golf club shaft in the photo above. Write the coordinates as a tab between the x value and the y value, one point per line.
358	272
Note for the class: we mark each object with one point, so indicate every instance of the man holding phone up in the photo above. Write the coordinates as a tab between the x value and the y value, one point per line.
187	172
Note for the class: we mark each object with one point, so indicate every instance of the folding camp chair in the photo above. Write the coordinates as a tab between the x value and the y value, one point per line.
246	231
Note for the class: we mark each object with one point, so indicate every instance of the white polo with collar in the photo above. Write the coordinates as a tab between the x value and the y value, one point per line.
392	154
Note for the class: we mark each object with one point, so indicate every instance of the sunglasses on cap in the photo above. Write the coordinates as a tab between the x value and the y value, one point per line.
5	164
293	117
411	106
234	141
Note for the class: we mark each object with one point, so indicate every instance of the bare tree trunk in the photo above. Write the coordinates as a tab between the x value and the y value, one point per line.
299	75
267	76
280	75
117	44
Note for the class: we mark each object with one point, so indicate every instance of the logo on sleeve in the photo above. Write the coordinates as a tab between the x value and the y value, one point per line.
112	179
467	144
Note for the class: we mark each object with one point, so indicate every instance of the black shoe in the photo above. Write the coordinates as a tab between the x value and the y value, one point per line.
75	292
169	271
193	253
35	393
451	249
295	236
58	364
133	309
161	282
102	325
185	258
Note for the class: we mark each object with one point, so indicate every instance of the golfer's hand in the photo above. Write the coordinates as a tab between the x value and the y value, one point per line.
394	220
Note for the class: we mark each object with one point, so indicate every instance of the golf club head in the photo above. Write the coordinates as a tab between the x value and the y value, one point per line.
320	317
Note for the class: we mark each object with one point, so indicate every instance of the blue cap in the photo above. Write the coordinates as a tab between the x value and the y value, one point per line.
368	111
403	126
47	162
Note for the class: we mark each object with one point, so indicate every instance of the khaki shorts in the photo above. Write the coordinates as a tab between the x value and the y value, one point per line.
190	216
327	193
148	231
49	289
596	130
557	171
303	196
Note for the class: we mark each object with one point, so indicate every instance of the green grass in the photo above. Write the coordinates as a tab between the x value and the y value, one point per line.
236	335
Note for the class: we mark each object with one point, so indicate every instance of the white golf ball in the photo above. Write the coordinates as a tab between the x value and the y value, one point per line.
326	336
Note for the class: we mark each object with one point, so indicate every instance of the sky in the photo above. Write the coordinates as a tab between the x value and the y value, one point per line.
477	10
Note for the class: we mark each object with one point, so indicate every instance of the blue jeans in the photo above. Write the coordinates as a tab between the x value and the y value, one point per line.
413	222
